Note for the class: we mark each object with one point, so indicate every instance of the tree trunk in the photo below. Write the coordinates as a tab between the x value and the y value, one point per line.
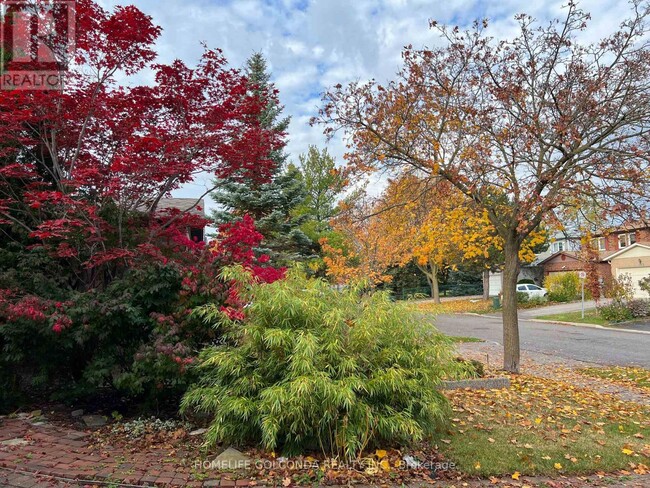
486	284
510	318
434	284
431	272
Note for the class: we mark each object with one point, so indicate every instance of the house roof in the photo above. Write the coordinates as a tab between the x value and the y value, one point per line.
627	227
571	254
602	256
626	249
184	205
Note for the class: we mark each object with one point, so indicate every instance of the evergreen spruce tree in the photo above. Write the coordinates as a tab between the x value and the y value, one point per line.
272	205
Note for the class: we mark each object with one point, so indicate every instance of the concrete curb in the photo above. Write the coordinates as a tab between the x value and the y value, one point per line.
477	384
559	322
474	314
589	326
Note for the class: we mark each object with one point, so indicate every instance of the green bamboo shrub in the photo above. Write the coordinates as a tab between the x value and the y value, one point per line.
313	368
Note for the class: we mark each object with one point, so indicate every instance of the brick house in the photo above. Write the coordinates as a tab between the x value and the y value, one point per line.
610	245
565	261
622	237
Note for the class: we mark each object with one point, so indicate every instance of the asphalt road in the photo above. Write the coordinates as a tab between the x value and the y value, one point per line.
602	346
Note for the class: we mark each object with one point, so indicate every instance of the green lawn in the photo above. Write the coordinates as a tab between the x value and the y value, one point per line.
591	317
637	377
544	427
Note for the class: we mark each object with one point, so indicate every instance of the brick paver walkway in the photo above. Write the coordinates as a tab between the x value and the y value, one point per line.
52	457
66	455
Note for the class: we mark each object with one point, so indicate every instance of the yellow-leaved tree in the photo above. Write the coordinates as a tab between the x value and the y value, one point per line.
432	225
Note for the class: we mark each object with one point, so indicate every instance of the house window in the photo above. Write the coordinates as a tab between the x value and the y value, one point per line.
196	234
598	243
557	246
625	240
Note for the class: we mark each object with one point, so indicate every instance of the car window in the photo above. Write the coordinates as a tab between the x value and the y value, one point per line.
521	287
534	287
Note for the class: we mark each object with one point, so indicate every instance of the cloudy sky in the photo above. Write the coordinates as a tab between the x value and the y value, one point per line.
311	45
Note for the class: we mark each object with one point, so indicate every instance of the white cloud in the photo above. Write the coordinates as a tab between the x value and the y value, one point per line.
313	44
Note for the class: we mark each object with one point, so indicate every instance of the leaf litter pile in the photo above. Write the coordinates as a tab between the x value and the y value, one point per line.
173	441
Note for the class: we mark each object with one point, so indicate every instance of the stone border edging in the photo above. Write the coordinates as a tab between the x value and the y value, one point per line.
589	326
477	384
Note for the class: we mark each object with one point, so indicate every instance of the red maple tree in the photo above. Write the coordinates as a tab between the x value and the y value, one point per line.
83	169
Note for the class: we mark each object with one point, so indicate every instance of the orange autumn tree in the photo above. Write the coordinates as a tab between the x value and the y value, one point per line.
365	252
432	225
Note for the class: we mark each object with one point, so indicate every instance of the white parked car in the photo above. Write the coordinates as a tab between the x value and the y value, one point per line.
533	291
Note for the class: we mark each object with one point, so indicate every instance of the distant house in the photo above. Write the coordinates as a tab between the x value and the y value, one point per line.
624	250
190	205
559	242
565	261
613	258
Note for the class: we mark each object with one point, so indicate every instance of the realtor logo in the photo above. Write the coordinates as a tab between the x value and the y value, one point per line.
36	43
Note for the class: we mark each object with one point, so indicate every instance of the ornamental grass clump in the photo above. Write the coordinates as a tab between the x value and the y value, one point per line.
313	368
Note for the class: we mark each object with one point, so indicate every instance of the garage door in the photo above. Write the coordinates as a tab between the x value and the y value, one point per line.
636	274
495	284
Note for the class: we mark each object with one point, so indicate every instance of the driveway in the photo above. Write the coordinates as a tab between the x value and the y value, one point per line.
601	346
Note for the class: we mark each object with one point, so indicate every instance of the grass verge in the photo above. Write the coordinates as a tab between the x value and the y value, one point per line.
545	427
461	339
635	377
591	317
